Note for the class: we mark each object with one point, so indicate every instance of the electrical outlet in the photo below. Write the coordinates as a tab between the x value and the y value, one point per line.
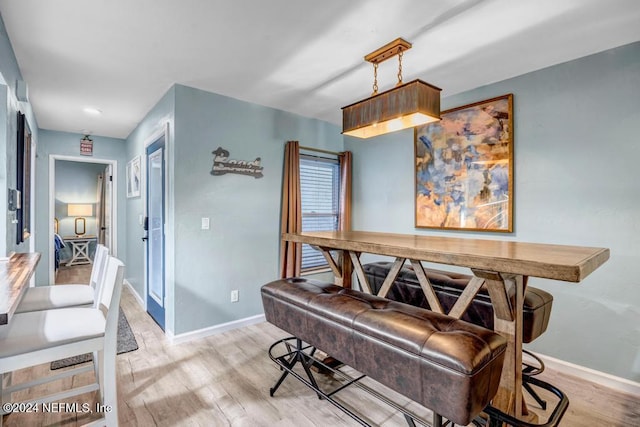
205	223
235	296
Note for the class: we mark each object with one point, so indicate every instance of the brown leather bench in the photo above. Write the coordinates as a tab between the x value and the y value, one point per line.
449	285
449	366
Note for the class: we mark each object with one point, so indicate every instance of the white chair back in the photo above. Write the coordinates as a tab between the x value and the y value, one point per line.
111	286
98	265
110	303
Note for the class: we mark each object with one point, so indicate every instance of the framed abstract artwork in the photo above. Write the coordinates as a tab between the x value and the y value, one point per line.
133	177
464	168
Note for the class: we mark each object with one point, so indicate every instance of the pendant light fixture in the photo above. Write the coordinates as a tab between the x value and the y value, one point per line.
406	105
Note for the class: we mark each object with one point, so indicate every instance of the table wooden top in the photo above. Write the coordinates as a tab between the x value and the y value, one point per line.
14	281
559	262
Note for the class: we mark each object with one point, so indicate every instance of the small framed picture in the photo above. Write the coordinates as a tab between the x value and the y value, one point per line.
133	177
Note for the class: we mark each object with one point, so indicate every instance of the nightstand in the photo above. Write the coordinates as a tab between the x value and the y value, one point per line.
80	248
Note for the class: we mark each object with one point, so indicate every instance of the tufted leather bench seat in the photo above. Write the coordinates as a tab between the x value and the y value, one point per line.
450	366
449	285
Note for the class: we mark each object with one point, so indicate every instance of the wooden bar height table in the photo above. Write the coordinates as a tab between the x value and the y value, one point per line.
502	266
15	274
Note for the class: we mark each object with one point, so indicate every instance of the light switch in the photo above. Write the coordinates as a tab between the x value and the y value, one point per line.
205	223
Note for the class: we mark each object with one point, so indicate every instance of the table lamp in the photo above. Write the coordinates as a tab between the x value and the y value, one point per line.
80	211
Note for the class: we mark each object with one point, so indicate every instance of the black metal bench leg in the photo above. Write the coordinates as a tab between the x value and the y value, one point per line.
290	365
305	365
437	420
299	356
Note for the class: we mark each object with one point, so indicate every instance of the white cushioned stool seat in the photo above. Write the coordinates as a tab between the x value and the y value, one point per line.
59	296
68	295
38	330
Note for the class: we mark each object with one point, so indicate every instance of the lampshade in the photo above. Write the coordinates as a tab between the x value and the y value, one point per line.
411	104
80	210
406	105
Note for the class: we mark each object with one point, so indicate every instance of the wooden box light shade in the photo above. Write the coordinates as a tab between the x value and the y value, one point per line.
406	105
80	211
412	104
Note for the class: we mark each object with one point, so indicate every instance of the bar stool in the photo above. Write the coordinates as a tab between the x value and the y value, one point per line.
72	295
39	337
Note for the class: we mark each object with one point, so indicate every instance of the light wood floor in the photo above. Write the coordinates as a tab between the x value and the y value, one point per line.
224	380
73	274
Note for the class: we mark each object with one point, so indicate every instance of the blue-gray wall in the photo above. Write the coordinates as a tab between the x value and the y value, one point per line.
9	106
241	249
68	144
75	183
576	154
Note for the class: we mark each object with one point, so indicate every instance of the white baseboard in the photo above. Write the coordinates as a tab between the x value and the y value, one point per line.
200	333
213	330
135	294
601	378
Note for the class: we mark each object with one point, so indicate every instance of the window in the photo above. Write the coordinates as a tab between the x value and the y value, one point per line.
319	191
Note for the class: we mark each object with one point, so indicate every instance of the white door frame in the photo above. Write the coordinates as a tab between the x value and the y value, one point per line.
52	199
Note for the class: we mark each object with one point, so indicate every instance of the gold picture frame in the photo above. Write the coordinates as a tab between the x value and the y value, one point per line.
464	168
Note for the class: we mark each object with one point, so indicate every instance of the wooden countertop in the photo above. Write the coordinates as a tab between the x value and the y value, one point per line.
559	262
14	281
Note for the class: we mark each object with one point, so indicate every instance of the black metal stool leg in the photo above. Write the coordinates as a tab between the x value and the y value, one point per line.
536	396
290	365
529	371
497	417
437	420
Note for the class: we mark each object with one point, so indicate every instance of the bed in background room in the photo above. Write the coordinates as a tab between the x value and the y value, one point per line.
58	243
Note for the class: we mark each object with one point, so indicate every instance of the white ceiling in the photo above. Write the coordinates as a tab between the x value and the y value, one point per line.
303	56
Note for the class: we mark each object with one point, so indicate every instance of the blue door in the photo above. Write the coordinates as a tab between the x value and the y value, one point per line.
155	230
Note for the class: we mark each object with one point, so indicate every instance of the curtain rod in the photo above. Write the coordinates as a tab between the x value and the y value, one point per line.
319	150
